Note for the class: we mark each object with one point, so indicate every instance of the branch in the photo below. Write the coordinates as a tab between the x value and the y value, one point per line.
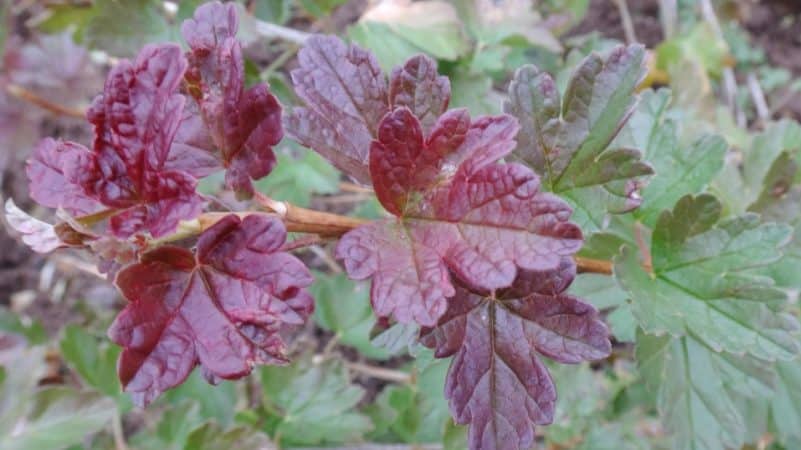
21	93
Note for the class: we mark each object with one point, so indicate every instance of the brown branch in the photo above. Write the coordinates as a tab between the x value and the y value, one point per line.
590	265
30	97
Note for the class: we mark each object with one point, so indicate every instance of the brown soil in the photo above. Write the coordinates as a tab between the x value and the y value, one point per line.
604	17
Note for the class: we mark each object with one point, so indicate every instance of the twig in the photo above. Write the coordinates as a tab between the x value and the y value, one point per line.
347	186
305	241
273	31
395	376
21	93
116	428
758	96
729	80
590	265
668	13
326	257
625	18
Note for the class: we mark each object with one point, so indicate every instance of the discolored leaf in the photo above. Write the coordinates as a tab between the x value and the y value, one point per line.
567	140
703	283
49	185
243	124
496	383
221	308
457	211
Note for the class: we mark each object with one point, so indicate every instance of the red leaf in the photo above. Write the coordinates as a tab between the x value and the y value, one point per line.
417	86
135	120
496	383
48	184
346	94
243	124
458	212
221	308
40	236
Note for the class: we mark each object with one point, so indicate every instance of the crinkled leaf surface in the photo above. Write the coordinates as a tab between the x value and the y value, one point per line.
696	387
314	403
135	120
496	382
346	94
221	308
703	285
457	211
604	293
244	123
567	140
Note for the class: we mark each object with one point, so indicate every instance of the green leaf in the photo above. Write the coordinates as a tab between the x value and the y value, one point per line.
96	363
313	403
398	338
679	170
701	46
295	179
343	307
498	21
58	417
603	292
785	407
320	8
144	22
172	429
211	436
703	285
413	413
32	331
216	402
394	31
691	398
275	11
567	140
475	93
780	201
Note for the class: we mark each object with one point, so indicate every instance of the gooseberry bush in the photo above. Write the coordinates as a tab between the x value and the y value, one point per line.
489	220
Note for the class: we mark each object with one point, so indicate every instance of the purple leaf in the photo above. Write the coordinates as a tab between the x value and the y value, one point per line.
345	92
496	383
457	212
48	184
243	124
221	308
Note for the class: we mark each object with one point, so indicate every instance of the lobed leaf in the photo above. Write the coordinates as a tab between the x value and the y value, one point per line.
566	140
457	211
221	308
243	124
496	383
703	283
135	121
347	94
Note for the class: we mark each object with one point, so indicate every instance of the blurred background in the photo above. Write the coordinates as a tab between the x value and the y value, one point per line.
732	65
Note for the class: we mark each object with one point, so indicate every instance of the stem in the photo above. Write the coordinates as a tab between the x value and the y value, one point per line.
625	18
380	373
271	30
590	265
23	94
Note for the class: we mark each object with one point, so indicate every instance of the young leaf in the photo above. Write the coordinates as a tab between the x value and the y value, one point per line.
565	141
243	124
496	383
50	186
135	120
222	307
40	236
346	95
703	269
457	211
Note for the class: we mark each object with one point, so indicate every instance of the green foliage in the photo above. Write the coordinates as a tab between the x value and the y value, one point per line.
309	403
296	179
